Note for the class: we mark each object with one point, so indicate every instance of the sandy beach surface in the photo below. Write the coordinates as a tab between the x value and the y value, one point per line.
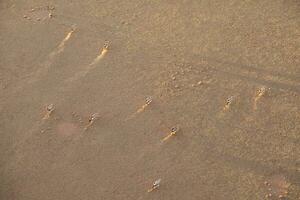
101	98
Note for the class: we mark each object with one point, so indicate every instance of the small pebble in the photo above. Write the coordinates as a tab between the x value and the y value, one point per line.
200	83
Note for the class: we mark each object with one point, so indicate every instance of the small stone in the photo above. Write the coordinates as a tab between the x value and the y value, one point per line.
38	19
176	86
200	83
50	15
193	85
25	16
174	78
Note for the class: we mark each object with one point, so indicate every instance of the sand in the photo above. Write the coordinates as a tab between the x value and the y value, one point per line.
224	74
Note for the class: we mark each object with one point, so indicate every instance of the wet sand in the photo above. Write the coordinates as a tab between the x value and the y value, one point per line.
224	73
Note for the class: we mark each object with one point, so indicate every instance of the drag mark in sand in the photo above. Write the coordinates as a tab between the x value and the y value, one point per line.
92	65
